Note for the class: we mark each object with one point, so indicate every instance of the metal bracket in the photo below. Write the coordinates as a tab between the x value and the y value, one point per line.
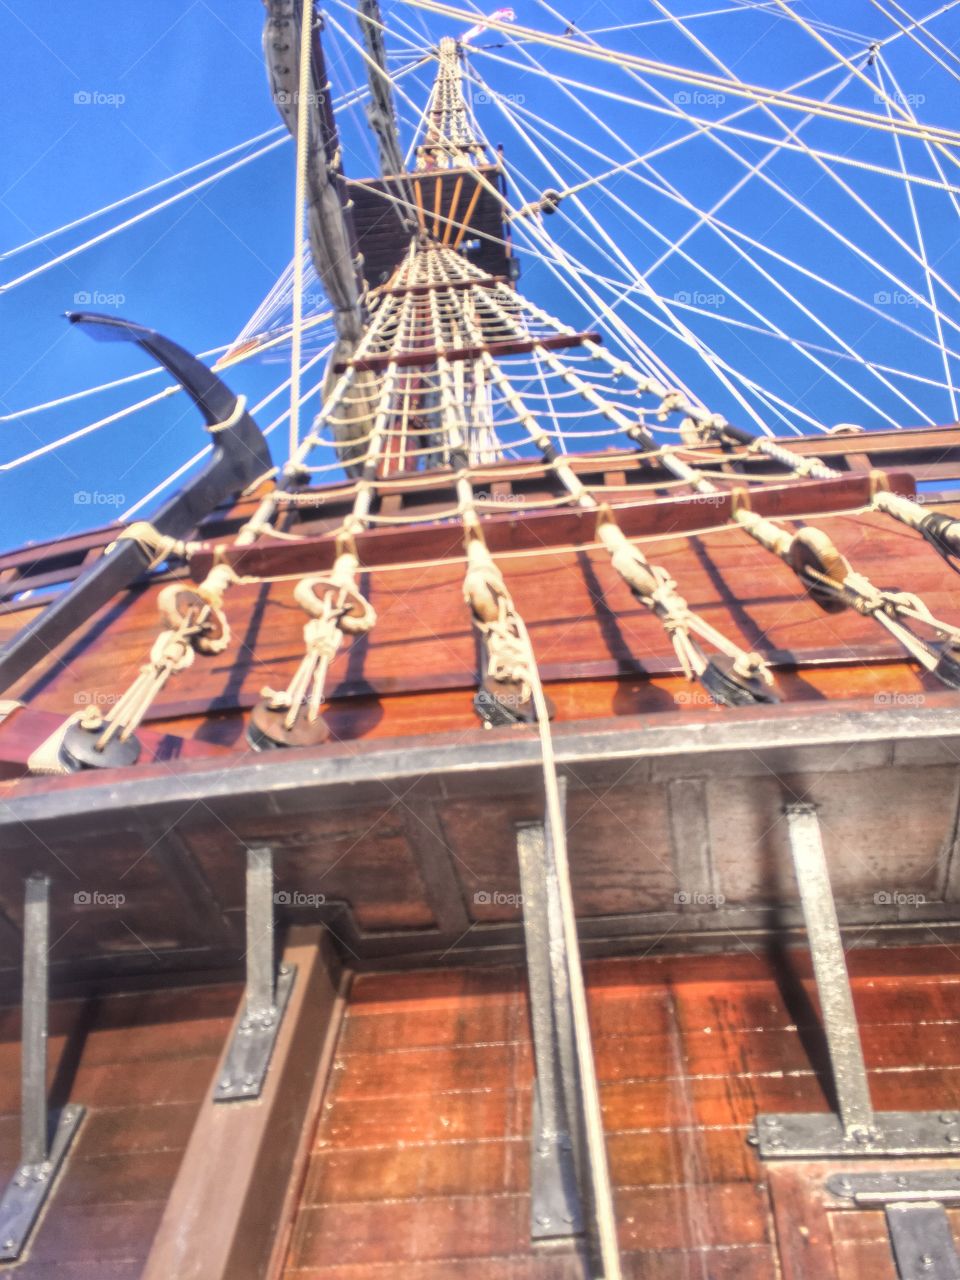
40	1157
821	1136
555	1204
856	1130
267	991
878	1189
914	1203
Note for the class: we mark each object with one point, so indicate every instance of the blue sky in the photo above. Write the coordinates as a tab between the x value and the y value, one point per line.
103	99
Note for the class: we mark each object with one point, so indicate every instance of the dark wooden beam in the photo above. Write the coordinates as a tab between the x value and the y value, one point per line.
541	530
430	355
235	1192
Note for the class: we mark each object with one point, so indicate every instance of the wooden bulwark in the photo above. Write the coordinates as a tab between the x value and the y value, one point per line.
226	1208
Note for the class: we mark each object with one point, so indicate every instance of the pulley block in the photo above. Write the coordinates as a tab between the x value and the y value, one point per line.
731	689
79	749
268	728
812	557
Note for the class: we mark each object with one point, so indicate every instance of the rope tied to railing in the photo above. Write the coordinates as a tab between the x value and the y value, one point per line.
495	616
337	609
156	546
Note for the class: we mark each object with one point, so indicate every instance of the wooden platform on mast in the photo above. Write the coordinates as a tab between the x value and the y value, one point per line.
451	205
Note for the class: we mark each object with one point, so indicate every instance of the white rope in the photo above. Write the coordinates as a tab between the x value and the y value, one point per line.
686	75
144	191
146	213
299	202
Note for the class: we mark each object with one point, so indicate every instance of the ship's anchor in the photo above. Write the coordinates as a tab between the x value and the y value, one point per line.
831	581
292	717
240	456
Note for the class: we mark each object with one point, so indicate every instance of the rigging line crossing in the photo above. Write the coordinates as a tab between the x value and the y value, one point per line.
675	194
919	23
705	125
921	246
676	326
757	93
155	186
896	106
772	280
754	311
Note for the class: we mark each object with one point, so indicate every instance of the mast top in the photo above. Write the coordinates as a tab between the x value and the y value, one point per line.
451	135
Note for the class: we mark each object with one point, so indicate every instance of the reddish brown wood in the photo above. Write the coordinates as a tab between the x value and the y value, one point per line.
429	355
225	1209
26	729
420	1163
140	1064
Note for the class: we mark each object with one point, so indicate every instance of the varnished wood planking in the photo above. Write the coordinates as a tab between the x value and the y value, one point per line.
578	611
688	1050
151	1058
753	1262
824	1236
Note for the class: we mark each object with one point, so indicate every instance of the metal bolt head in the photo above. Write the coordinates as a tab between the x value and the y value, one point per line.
226	1083
543	1220
927	1262
10	1244
947	1117
953	1137
771	1122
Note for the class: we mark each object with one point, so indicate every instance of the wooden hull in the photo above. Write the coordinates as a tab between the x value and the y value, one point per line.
415	1161
392	1136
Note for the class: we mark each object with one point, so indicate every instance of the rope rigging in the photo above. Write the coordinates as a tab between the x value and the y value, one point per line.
453	370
